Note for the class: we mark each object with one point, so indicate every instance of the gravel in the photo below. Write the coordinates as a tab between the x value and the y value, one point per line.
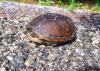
18	53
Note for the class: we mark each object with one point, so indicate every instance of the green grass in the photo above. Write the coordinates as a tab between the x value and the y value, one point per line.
45	3
70	4
96	7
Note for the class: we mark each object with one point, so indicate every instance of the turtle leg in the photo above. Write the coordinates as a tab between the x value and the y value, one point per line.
33	38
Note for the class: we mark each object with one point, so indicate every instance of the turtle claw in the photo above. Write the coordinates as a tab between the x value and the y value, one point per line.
33	38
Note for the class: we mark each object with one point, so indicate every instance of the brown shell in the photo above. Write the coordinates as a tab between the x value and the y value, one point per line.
53	27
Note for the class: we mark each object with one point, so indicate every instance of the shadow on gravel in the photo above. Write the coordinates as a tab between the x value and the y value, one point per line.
88	68
95	19
67	42
55	44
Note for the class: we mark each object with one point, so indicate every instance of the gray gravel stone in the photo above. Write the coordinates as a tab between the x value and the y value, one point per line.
10	58
19	59
2	69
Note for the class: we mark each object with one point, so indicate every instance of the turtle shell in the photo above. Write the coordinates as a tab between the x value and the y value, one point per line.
53	27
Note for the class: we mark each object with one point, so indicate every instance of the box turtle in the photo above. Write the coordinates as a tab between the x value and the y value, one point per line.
51	28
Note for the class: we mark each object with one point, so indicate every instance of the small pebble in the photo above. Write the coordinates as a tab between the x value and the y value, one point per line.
10	58
80	51
2	69
19	59
51	57
8	31
15	21
95	40
30	61
13	48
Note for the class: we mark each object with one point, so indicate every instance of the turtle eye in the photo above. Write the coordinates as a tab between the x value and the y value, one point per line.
29	29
